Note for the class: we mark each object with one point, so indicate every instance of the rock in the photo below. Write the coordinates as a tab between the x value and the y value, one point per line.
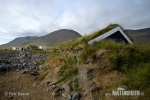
35	84
47	90
19	61
69	97
76	96
48	82
24	64
56	90
18	77
10	97
91	89
22	60
23	72
25	55
90	77
55	94
34	73
95	88
6	65
3	69
68	88
64	95
53	87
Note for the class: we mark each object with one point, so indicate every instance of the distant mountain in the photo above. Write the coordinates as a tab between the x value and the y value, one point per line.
50	39
54	38
140	35
17	41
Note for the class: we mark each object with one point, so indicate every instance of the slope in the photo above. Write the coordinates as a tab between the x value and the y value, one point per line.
17	41
100	68
54	38
141	35
50	39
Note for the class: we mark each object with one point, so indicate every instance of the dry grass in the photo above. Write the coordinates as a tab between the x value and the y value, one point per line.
55	61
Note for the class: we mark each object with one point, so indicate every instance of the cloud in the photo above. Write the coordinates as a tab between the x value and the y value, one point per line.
40	17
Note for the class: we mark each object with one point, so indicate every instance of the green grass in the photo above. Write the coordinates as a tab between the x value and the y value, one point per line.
139	77
131	60
75	84
68	73
43	75
9	51
124	58
69	70
38	51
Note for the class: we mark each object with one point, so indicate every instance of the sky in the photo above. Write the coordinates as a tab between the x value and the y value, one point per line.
19	18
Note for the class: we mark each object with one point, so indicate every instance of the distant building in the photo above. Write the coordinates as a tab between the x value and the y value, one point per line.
115	34
16	48
13	48
31	47
42	47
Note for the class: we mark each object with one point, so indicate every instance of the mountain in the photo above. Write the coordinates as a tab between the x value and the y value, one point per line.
17	41
54	38
50	39
140	35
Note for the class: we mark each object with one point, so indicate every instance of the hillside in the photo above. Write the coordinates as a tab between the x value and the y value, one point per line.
54	38
96	70
141	35
17	41
50	39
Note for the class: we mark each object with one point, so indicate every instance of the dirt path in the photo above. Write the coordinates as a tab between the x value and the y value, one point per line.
18	86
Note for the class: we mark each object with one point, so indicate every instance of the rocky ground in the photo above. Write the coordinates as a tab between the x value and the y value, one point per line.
17	86
19	61
19	79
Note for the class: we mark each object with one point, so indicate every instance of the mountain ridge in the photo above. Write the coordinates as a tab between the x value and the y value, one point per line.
50	39
140	35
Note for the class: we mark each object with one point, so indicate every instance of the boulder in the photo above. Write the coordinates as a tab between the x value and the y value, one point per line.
69	97
76	96
68	88
3	69
34	73
48	82
56	90
53	87
64	95
55	94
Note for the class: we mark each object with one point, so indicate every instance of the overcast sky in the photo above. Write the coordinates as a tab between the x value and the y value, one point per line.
39	17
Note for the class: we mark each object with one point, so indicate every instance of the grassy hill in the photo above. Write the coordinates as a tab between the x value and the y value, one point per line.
110	64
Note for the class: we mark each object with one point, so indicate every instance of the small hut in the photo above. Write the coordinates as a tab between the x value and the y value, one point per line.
116	34
31	47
